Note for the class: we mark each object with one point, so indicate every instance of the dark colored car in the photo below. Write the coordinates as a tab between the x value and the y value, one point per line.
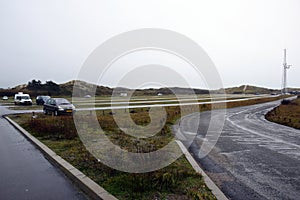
58	106
40	100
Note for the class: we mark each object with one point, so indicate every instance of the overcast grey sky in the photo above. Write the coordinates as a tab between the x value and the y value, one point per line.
50	39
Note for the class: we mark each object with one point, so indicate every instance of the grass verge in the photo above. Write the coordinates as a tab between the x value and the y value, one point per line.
288	113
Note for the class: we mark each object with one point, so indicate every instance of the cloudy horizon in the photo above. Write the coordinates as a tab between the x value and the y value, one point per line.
50	40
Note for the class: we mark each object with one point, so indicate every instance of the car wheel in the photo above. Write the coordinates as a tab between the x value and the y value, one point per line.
55	113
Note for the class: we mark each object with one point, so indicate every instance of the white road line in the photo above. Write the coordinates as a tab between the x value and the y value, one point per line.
277	140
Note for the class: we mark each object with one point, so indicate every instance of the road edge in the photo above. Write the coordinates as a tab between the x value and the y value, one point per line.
91	188
210	184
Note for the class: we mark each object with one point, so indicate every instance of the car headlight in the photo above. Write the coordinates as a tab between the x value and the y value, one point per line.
60	108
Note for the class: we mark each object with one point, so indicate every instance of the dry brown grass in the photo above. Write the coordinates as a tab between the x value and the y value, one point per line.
287	114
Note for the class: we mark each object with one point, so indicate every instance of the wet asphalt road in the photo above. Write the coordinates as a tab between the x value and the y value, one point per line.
25	173
253	158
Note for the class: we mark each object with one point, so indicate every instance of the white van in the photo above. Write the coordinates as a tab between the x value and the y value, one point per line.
22	99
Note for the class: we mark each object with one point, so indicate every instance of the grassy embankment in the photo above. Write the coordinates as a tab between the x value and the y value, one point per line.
177	181
288	113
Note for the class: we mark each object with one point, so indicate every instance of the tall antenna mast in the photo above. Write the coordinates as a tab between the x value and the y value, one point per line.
285	68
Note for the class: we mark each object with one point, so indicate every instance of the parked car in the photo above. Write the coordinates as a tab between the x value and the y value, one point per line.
40	100
58	106
22	99
295	92
4	98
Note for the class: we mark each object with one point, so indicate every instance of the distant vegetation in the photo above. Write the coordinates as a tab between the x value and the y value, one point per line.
36	87
250	90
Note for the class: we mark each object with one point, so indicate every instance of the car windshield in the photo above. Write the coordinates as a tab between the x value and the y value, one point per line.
62	102
45	97
24	97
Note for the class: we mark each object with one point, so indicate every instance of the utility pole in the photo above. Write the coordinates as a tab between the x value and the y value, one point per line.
285	68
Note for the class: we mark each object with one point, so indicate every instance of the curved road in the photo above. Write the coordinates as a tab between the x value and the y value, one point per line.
25	173
253	158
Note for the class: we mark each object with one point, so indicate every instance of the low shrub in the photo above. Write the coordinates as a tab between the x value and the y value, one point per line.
61	127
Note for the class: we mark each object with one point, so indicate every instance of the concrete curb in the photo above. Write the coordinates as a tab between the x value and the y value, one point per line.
210	184
92	189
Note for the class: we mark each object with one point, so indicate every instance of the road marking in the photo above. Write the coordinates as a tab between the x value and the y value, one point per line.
270	142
